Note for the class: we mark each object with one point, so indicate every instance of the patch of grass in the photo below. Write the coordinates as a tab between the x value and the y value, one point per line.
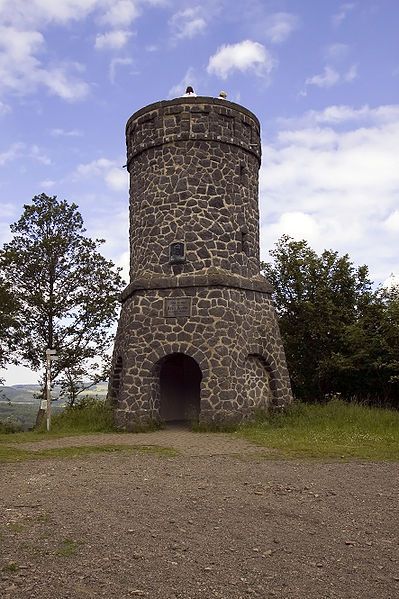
15	527
10	426
158	450
88	415
67	548
333	430
10	568
12	454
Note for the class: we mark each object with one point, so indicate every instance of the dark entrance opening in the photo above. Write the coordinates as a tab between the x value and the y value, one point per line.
180	382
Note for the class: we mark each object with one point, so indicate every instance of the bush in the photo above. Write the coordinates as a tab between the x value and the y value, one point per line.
87	415
10	425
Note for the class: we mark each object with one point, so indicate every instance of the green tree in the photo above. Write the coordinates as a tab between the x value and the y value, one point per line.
67	291
367	365
8	322
317	298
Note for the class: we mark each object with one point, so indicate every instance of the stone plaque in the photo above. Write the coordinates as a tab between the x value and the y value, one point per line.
176	307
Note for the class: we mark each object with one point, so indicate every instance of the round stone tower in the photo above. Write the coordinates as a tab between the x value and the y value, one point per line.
197	338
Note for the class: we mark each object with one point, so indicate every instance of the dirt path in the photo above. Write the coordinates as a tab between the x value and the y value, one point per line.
216	521
180	439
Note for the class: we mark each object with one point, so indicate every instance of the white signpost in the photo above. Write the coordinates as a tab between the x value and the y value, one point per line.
51	355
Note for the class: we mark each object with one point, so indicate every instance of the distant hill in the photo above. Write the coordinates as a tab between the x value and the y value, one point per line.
25	394
18	402
19	393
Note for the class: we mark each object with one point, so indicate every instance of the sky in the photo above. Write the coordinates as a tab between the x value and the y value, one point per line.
321	75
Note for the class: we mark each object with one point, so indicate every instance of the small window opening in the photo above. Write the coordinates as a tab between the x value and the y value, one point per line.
242	173
177	253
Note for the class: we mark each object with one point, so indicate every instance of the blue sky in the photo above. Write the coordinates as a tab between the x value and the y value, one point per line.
321	75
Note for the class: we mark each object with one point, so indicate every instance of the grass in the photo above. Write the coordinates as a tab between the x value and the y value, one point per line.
13	454
333	430
67	548
88	415
10	568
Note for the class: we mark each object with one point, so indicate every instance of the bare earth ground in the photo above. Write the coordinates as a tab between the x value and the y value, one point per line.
220	519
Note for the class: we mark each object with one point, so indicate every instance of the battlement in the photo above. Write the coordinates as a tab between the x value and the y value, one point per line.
197	119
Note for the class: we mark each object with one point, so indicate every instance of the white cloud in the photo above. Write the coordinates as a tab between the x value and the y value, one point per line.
121	13
187	23
6	210
341	114
19	150
115	63
298	225
22	72
115	177
343	12
47	183
40	13
392	222
112	40
328	78
243	56
35	153
279	26
337	188
337	51
24	61
331	77
61	83
4	108
37	12
13	152
351	74
65	133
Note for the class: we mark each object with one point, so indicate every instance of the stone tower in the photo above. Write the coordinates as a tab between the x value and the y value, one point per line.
197	336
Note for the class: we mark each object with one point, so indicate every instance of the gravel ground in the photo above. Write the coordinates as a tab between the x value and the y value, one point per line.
218	520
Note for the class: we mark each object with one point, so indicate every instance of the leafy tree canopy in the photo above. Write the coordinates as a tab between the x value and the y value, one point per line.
339	335
66	290
8	321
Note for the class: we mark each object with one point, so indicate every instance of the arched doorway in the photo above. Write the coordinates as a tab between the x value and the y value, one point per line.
180	381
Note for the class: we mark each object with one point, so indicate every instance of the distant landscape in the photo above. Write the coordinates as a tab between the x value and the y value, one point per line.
21	402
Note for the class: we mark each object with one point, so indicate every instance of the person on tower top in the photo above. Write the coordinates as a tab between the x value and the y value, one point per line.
190	93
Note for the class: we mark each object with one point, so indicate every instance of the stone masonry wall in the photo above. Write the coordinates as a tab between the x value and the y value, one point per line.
194	179
193	165
226	327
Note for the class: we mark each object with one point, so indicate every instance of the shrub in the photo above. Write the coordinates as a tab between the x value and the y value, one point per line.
87	415
10	425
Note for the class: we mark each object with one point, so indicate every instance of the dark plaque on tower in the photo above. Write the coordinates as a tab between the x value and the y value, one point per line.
176	307
176	253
